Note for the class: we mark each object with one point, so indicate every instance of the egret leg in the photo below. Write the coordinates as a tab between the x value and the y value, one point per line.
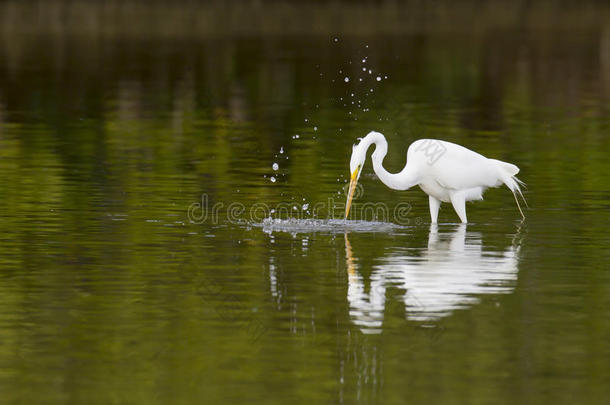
459	205
435	204
433	235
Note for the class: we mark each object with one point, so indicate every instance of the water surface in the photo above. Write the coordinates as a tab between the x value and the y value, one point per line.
138	263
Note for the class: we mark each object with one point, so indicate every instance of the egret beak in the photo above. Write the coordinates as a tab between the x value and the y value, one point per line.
352	188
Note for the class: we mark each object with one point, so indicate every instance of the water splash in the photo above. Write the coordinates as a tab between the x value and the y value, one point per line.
295	226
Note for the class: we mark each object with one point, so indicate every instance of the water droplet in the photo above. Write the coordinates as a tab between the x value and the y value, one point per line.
281	149
364	69
275	166
346	79
378	78
272	179
336	39
305	206
315	128
370	71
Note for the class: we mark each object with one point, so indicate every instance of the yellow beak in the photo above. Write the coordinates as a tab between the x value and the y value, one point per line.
352	188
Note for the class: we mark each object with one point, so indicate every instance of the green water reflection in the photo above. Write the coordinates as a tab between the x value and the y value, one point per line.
111	132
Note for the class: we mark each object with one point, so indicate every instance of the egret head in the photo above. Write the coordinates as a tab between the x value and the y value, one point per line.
355	168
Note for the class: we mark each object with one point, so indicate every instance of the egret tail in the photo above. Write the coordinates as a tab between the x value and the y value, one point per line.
508	172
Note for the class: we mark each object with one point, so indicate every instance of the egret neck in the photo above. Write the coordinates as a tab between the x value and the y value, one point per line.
403	180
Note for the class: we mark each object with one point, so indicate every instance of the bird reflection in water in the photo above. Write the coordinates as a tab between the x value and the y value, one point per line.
366	309
447	276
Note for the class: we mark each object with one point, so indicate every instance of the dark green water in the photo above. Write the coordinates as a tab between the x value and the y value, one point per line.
136	170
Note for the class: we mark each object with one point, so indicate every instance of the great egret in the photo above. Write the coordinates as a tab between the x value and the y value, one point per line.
447	172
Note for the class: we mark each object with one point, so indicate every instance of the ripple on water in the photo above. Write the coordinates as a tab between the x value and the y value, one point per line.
294	225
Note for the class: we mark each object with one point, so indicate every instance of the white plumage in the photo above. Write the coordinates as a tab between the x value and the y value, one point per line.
447	172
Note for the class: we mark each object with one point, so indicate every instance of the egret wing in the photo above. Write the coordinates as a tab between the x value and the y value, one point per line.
451	165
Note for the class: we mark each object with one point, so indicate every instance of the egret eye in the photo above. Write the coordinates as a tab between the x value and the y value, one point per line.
359	139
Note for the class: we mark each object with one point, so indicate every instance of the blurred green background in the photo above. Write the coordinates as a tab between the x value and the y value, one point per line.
116	117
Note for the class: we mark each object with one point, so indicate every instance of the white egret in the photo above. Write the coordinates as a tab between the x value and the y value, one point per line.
447	172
